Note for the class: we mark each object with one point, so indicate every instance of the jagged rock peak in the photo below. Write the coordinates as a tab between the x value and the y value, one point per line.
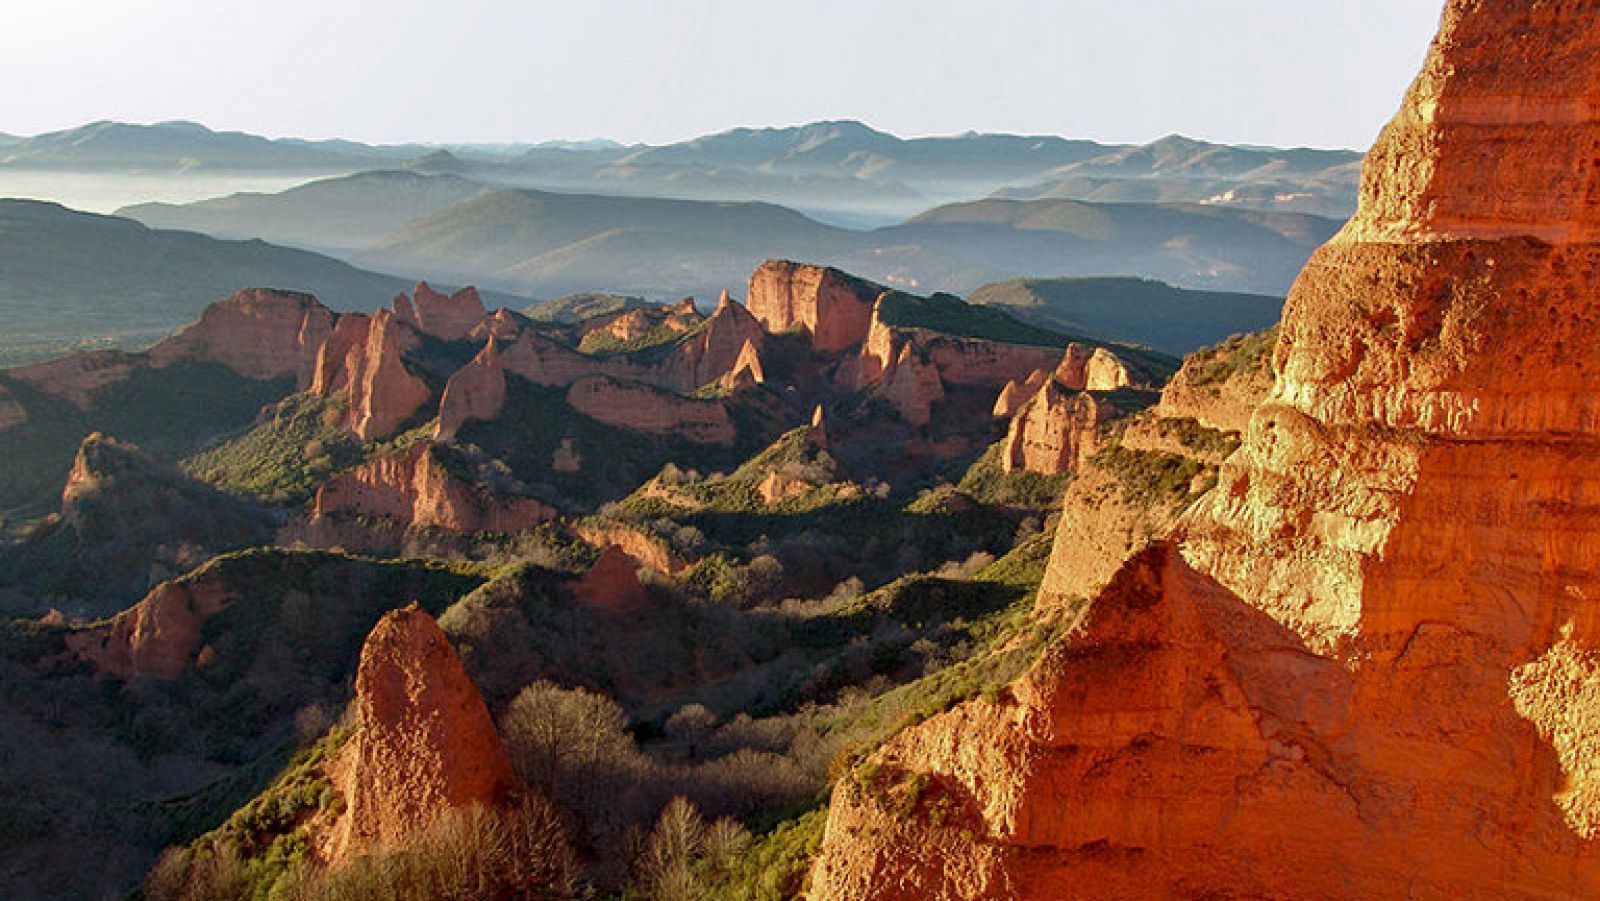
475	391
423	742
451	317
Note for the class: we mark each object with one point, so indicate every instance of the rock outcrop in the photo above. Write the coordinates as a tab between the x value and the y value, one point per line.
423	742
612	583
449	318
259	333
646	549
725	349
911	385
1363	664
476	391
1220	387
959	360
383	393
415	490
641	408
158	637
834	308
1016	393
1093	369
1055	431
341	354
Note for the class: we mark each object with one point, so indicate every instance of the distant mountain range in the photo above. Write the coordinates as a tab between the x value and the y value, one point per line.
1176	169
68	277
841	171
658	222
541	243
1171	320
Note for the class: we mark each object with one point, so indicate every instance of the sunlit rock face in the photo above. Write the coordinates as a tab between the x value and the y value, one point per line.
422	744
834	308
1364	663
413	489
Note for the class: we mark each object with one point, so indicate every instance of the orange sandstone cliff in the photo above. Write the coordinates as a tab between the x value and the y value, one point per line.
415	490
1364	663
833	307
258	333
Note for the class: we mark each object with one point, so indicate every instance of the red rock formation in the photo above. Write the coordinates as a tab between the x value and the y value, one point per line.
502	324
818	433
476	391
158	637
1092	369
423	742
746	370
1365	665
258	333
542	360
612	583
382	392
1054	431
833	307
1220	387
912	386
1016	393
641	408
566	457
778	486
724	350
449	318
413	489
341	354
646	550
960	361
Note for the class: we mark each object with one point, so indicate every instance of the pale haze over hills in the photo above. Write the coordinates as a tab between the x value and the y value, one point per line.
499	70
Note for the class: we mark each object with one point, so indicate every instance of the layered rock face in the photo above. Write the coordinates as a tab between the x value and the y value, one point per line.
1220	387
639	407
413	489
1093	369
1364	666
423	742
974	362
645	549
258	333
833	307
725	350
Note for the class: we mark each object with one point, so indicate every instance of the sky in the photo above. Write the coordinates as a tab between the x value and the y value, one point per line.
1325	73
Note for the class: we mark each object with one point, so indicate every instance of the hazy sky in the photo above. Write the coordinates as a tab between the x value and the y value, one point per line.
1291	72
